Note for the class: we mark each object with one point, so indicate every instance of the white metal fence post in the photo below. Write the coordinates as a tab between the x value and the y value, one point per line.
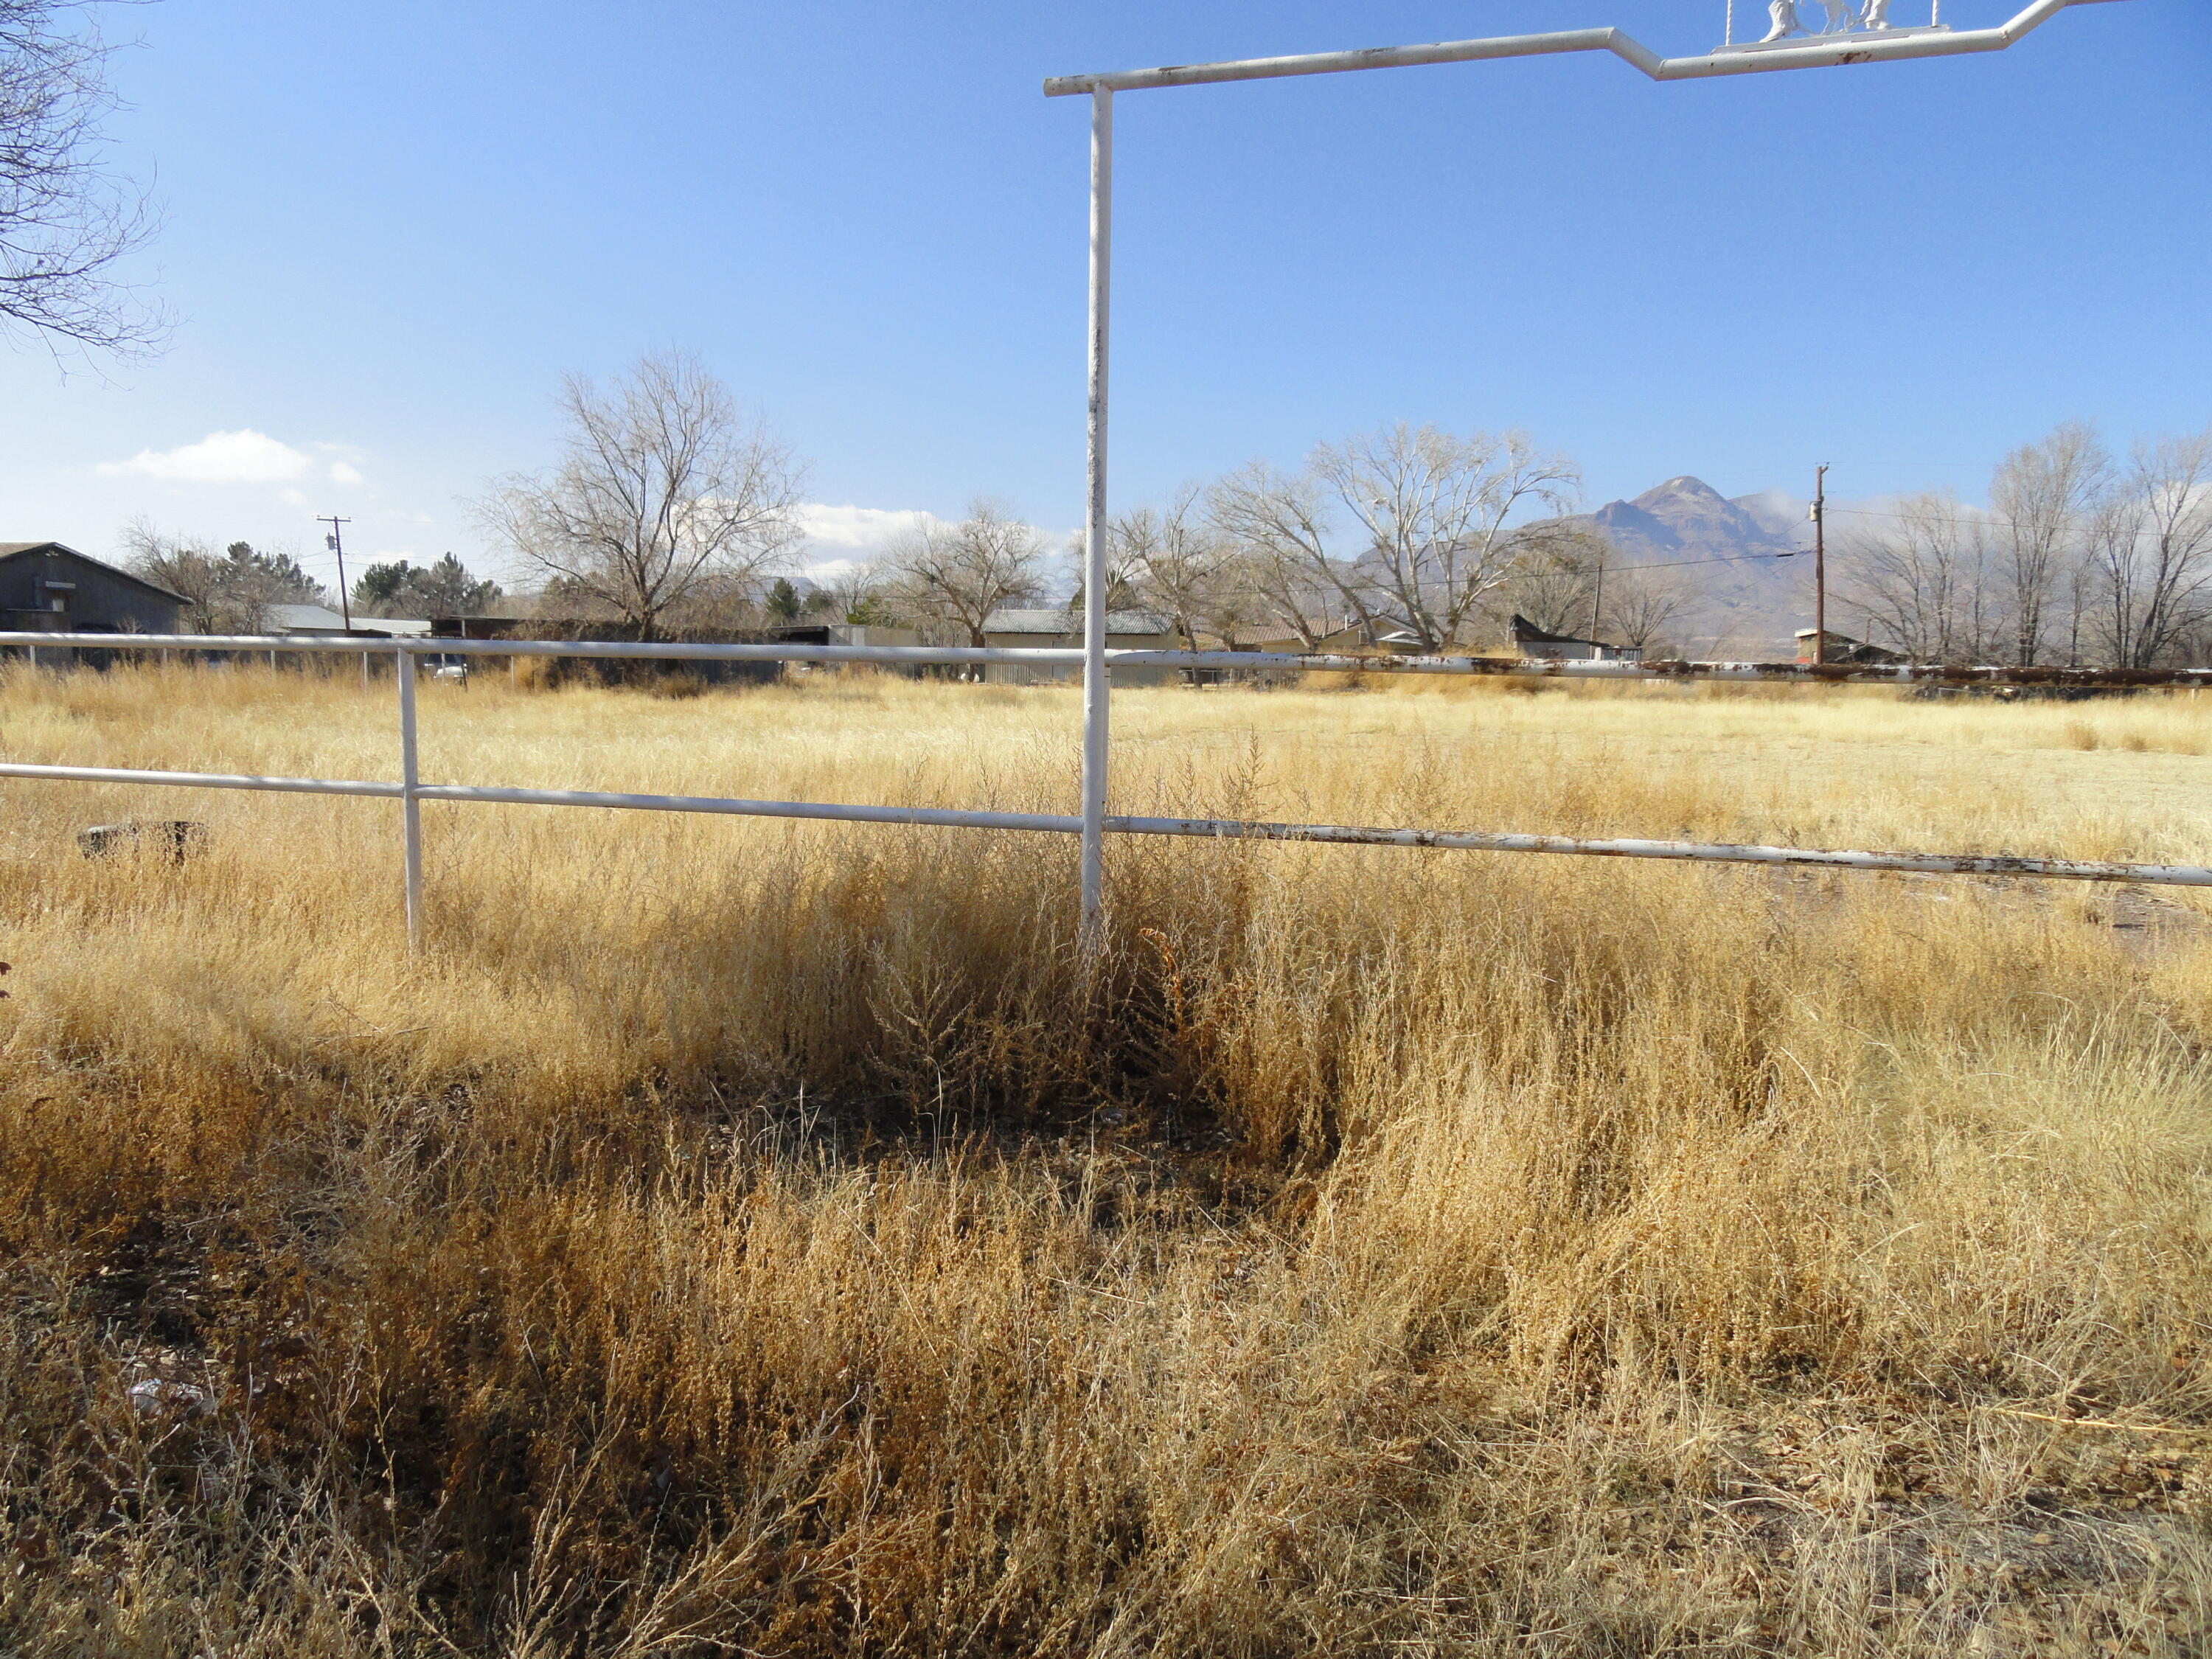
1097	687
410	806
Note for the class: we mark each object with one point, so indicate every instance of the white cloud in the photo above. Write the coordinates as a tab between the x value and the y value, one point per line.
342	473
242	457
856	534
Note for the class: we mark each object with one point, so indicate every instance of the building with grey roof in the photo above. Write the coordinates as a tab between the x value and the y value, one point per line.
48	588
1126	630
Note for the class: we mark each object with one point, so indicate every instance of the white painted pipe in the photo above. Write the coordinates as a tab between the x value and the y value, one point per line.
1814	54
1961	864
2166	875
410	808
204	781
925	817
1096	687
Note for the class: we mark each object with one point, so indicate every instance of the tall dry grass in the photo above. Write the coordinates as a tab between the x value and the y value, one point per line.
749	1236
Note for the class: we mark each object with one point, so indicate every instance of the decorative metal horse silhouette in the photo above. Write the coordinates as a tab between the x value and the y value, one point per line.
1845	16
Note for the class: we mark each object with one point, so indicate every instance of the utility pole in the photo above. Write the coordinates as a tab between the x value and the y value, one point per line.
1597	607
336	543
1821	565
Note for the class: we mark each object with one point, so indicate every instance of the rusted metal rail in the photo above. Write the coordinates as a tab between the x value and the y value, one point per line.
1959	674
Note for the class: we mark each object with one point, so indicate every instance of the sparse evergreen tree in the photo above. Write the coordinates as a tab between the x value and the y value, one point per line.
226	592
447	588
784	604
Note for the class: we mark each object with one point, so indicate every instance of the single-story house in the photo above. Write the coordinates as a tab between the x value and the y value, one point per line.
1842	649
48	588
1533	641
321	619
1352	640
1126	630
848	633
843	634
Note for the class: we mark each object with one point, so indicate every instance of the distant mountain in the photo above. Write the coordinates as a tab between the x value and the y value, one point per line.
1749	594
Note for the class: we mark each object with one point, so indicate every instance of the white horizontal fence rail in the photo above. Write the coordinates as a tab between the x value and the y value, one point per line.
2156	875
410	791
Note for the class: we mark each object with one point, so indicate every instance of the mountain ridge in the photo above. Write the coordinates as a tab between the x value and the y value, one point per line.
1747	593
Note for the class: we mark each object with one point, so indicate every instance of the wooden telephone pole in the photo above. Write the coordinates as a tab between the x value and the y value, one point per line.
335	542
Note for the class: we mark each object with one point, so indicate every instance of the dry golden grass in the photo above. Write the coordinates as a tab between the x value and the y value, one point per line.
748	1237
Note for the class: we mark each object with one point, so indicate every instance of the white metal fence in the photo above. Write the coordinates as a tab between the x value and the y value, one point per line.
410	791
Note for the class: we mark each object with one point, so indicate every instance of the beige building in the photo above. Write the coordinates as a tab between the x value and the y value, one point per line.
1126	630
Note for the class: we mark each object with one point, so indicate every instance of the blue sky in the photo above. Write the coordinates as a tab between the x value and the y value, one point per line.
391	228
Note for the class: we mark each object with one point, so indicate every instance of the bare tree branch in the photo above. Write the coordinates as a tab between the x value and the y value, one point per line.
1433	517
666	497
2044	498
1177	561
1924	579
1275	525
67	220
2152	548
956	574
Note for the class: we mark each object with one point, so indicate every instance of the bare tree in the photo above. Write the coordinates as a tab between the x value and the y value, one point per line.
1640	605
665	497
1568	581
66	220
226	592
856	594
956	574
2153	548
1921	579
1557	583
1432	522
1176	560
1274	524
1437	513
2043	499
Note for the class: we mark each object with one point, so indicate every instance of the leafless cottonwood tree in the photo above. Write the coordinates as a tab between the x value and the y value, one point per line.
1921	578
2153	550
1570	581
229	591
1273	525
956	574
1641	605
664	496
67	219
1431	522
1556	584
1174	560
2041	502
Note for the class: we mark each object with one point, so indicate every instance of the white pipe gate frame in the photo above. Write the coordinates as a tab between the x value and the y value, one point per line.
1881	44
410	791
